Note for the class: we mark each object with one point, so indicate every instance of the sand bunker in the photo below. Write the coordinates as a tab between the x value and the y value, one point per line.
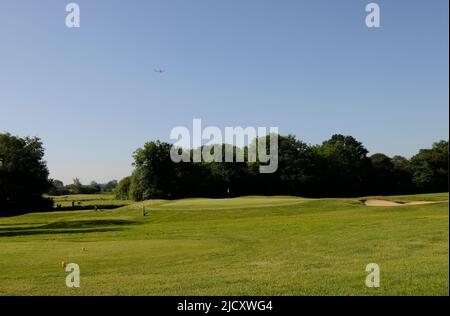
375	202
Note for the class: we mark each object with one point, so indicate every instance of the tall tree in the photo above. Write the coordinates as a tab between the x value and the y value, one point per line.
344	166
23	174
430	168
403	176
122	190
383	180
154	174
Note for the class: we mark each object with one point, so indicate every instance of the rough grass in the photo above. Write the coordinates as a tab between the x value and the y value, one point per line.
243	246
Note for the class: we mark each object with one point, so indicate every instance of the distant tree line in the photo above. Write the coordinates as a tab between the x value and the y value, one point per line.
339	167
58	187
24	177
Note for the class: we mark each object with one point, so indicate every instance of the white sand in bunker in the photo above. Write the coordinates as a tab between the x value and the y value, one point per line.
378	202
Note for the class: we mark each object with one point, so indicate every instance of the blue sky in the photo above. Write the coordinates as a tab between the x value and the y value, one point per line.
311	68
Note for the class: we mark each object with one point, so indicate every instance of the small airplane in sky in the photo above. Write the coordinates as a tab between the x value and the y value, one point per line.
159	70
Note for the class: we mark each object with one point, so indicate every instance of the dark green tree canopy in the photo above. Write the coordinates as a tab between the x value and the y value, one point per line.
154	174
338	167
430	168
122	191
23	174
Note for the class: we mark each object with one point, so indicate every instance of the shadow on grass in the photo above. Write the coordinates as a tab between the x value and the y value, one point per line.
69	227
16	224
87	207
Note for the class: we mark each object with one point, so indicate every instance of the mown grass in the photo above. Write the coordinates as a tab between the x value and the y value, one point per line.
243	246
92	200
103	201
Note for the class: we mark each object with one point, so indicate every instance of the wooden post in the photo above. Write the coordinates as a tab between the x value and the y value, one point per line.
143	210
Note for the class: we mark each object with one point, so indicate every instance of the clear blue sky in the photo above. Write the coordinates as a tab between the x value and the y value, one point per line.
312	68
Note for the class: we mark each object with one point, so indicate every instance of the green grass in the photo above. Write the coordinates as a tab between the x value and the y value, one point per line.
243	246
89	200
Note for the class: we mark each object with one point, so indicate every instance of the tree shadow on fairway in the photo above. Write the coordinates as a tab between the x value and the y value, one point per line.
68	227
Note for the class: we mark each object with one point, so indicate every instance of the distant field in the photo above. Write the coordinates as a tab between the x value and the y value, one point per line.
242	246
88	200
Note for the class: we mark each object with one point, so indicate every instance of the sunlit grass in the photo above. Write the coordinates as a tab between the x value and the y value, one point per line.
243	246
